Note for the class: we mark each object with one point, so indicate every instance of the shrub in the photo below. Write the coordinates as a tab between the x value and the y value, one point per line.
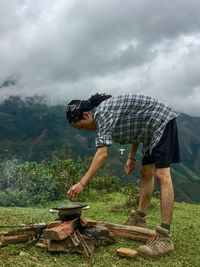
107	183
31	183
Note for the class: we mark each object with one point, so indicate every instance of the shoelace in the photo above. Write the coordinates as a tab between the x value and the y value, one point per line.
154	240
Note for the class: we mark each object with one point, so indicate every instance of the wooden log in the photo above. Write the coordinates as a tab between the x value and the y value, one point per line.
125	231
61	231
20	235
53	224
66	245
6	239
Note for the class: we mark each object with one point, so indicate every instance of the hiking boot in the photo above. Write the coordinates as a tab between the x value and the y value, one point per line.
159	245
135	220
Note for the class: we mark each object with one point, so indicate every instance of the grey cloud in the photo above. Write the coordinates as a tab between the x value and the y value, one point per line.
64	48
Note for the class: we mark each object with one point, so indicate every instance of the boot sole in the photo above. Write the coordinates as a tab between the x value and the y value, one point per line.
156	256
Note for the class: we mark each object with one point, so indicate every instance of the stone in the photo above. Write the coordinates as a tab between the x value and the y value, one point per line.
127	253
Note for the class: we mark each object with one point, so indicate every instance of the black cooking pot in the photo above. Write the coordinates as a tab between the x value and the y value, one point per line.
69	210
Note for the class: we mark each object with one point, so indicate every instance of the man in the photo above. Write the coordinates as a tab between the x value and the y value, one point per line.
134	119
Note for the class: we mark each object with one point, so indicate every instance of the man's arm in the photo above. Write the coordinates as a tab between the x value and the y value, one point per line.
133	151
97	161
130	164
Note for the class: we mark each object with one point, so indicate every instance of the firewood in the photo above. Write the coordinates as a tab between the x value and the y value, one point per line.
61	231
66	245
6	239
20	235
53	224
125	231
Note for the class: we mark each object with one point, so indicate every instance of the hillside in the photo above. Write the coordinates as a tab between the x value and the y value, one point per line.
185	235
31	131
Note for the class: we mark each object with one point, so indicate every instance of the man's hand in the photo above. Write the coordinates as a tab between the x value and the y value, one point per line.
98	160
75	190
130	166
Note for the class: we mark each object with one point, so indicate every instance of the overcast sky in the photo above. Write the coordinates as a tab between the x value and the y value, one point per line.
71	49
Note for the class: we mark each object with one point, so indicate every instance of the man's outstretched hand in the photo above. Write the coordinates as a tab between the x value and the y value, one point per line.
75	190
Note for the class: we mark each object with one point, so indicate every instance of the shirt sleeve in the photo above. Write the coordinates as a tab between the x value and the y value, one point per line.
103	140
105	123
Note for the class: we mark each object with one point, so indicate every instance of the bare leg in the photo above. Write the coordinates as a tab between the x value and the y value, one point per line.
167	194
146	187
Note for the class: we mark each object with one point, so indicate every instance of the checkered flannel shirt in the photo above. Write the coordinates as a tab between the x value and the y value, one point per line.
131	118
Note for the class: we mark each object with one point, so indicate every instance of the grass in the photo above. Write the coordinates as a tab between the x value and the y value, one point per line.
185	232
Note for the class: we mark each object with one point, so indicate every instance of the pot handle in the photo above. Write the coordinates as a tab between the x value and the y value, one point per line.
52	210
86	207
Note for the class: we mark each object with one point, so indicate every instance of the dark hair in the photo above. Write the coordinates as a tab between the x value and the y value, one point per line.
76	108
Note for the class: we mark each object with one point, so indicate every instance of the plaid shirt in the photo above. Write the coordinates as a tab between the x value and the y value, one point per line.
131	118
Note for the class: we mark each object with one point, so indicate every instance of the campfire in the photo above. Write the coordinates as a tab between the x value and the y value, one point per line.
65	234
69	235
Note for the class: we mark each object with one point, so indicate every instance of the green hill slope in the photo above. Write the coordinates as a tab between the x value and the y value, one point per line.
32	131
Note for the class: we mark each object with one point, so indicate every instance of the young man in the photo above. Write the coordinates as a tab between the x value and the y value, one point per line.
134	119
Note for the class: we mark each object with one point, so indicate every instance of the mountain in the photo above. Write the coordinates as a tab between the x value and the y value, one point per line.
30	130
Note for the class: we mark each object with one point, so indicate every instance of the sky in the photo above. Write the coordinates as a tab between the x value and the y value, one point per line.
71	49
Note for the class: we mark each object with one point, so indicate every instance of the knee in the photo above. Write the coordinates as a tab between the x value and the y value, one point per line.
163	176
147	172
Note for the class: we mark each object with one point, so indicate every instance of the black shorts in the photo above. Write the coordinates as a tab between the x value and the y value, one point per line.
166	151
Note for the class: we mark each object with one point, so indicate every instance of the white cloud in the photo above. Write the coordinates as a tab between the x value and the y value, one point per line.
69	49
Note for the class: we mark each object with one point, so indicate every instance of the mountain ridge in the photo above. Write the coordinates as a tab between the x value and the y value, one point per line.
31	130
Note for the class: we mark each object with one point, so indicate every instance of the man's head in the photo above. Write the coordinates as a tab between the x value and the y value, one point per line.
75	110
87	123
79	112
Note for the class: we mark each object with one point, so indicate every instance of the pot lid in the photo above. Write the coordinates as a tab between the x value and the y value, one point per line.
70	207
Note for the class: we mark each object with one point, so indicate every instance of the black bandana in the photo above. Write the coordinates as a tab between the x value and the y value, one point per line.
75	110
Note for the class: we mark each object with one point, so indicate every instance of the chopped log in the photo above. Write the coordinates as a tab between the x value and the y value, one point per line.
61	231
21	235
6	239
66	245
125	231
127	253
99	235
53	224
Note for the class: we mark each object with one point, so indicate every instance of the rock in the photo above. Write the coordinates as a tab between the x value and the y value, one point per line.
127	253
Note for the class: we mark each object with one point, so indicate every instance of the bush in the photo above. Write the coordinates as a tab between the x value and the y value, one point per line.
107	183
31	183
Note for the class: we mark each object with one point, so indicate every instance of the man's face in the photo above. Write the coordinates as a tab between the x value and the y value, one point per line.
87	123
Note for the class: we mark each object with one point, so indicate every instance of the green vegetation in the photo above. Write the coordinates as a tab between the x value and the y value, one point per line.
185	232
31	183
